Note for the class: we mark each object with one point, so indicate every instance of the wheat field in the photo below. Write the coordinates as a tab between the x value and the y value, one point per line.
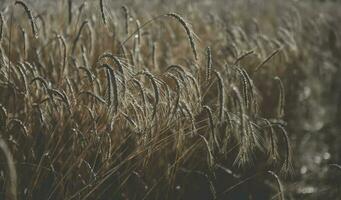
170	100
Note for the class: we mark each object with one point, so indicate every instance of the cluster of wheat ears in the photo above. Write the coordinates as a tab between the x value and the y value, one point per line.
93	106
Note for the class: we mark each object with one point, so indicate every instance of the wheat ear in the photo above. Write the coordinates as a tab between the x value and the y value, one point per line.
267	59
30	16
78	35
279	184
281	100
188	32
12	192
213	138
102	11
2	21
209	64
221	95
126	16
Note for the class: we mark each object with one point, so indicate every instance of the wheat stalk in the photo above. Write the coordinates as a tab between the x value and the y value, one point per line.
213	138
70	10
143	96
177	98
244	81
21	70
281	99
188	32
221	95
267	59
126	16
2	21
91	94
62	41
196	86
191	116
273	153
241	57
156	90
30	16
78	36
279	185
209	63
288	157
102	11
11	194
120	68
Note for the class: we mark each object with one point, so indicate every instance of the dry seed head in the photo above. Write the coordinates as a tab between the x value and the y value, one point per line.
120	68
196	85
95	96
25	43
18	123
209	64
78	36
126	16
156	90
279	184
267	59
252	103
23	76
88	73
3	117
210	157
2	21
281	100
138	25
60	95
213	138
243	56
179	70
109	87
112	87
288	157
62	41
273	152
243	152
30	16
188	32
177	99
245	85
191	116
70	10
221	95
41	80
143	96
154	55
102	11
12	188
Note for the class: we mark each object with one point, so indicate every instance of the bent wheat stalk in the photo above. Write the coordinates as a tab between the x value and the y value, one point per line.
279	184
267	59
29	15
221	95
281	99
2	21
188	32
102	11
209	64
11	194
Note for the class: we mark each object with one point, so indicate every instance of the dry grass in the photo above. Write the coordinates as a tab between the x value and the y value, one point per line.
90	110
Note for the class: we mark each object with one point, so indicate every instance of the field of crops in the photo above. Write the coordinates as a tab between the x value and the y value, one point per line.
170	100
